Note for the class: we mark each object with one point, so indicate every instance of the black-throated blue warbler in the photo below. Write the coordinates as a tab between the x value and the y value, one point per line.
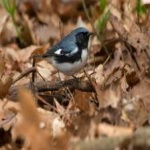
70	55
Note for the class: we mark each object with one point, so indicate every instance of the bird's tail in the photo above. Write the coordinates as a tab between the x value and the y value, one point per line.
40	56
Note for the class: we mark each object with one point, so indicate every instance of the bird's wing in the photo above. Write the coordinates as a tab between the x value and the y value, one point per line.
67	47
61	51
66	51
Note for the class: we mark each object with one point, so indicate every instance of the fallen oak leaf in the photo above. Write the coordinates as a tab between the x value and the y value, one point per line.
135	37
28	107
5	86
2	65
3	23
113	68
59	108
27	52
123	83
82	100
108	96
2	91
7	120
28	124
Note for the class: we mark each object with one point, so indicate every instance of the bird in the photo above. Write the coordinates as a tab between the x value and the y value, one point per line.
70	55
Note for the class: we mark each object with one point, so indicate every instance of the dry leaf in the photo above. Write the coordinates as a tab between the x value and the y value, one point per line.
60	108
82	100
58	127
4	86
99	75
28	124
109	96
28	107
2	65
27	52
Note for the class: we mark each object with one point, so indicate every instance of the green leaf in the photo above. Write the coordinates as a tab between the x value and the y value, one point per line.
140	8
103	20
102	5
10	6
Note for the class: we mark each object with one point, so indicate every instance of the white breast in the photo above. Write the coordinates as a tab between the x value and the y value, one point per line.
71	68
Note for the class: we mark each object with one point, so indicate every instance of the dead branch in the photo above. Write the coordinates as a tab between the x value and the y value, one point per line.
53	86
139	140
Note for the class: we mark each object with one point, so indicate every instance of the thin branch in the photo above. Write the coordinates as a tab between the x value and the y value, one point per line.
53	86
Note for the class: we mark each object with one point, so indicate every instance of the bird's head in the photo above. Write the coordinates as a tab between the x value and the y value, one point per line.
82	37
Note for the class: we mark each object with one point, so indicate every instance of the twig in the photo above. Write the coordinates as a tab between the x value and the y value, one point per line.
89	78
5	121
54	86
45	102
33	65
28	71
41	76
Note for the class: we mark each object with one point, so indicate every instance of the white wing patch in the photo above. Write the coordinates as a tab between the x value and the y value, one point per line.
58	52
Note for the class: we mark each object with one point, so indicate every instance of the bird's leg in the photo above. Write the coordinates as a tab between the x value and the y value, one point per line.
75	78
59	77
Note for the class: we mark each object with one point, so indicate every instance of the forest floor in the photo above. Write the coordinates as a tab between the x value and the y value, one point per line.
106	108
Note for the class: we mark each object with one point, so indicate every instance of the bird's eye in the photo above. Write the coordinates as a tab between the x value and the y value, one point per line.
81	36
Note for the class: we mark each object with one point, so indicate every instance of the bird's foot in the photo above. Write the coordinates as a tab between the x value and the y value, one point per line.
77	79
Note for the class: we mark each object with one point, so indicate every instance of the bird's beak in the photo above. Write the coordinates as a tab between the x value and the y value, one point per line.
90	33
